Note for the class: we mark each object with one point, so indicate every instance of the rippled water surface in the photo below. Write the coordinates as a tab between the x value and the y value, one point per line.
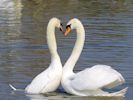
24	52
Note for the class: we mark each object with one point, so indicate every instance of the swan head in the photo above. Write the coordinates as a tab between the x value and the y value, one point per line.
72	24
57	23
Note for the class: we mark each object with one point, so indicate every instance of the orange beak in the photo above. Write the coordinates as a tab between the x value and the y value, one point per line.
67	31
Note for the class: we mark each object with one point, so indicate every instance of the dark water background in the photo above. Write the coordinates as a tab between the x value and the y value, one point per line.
24	52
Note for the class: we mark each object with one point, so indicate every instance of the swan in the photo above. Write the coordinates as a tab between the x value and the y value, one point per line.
49	79
88	82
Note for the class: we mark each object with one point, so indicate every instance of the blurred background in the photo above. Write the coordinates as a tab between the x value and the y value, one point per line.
24	52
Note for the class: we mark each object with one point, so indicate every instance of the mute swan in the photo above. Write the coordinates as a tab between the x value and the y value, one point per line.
90	81
49	80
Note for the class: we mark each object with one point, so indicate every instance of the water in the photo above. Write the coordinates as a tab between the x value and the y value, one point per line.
24	52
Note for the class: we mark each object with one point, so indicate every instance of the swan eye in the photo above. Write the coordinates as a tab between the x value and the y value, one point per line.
68	26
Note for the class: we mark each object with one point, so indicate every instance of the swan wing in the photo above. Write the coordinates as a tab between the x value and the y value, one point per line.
40	82
99	76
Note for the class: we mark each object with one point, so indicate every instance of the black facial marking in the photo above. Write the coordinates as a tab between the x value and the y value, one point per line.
61	24
61	29
68	26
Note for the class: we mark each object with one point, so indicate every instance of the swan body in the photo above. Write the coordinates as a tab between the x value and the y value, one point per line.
49	79
88	82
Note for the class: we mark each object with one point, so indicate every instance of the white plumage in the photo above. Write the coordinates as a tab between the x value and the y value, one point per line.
48	80
90	81
99	76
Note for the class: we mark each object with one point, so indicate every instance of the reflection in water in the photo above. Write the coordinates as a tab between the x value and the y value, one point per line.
45	97
23	48
63	97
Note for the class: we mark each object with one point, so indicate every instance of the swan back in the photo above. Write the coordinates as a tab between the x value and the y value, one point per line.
97	77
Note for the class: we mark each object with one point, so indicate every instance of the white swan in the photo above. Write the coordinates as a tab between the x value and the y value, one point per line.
90	81
48	80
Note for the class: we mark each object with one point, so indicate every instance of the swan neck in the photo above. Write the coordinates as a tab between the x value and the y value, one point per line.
51	40
69	65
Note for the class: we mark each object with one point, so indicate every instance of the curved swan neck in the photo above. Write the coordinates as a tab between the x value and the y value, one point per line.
51	40
69	65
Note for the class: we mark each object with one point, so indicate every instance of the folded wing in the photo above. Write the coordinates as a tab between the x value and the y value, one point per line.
99	76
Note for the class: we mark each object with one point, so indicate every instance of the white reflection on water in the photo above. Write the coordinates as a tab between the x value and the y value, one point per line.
63	97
